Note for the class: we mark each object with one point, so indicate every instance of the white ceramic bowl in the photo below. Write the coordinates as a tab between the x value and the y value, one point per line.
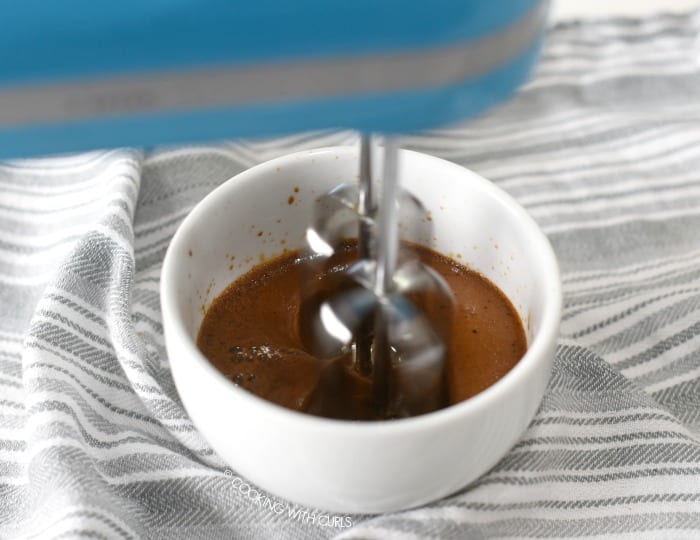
366	467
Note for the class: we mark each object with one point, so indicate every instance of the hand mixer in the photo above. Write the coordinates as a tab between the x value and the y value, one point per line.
79	75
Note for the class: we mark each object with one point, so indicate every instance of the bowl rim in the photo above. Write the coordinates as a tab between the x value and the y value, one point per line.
536	353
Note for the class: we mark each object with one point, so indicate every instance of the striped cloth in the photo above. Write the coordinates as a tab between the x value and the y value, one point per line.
602	147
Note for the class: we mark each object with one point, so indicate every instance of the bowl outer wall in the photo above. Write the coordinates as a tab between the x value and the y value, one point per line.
353	467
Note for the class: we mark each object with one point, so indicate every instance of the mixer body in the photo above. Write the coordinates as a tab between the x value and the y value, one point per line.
78	75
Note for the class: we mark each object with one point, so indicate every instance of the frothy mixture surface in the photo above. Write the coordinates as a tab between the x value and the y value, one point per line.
251	334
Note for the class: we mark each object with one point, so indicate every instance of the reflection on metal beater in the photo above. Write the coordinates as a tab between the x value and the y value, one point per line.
365	250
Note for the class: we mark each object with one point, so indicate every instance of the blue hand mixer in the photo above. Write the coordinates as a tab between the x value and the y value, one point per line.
82	74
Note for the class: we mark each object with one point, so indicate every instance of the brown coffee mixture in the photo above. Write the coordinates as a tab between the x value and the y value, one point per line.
251	334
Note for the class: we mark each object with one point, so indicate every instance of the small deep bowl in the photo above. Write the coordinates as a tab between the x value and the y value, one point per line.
357	467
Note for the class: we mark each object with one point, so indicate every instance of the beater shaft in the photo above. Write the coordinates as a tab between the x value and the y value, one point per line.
386	256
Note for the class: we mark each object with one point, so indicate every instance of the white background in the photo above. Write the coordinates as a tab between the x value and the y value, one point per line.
568	9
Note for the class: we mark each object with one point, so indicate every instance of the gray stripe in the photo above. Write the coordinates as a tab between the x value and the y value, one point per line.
526	527
276	82
61	386
11	368
688	260
678	278
99	517
587	301
661	347
174	220
147	462
612	197
78	330
615	136
630	311
603	420
90	315
13	404
683	397
625	244
147	298
582	441
54	348
639	474
649	325
73	180
140	317
11	384
101	378
582	503
587	460
59	339
684	364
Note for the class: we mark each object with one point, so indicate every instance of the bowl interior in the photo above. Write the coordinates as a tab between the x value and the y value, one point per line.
264	212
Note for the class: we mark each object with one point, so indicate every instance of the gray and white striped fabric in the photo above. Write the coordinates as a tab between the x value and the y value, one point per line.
602	147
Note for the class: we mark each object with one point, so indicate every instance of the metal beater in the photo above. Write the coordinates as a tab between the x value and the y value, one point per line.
387	310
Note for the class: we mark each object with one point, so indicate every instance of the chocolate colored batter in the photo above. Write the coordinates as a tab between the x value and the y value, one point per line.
251	334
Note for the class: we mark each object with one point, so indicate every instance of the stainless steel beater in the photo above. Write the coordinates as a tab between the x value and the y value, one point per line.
387	309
